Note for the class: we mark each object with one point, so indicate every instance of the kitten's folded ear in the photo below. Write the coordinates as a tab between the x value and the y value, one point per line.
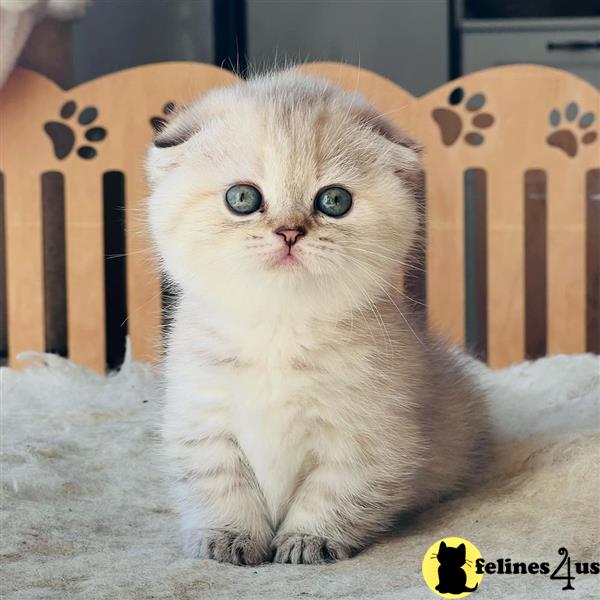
173	134
408	151
166	149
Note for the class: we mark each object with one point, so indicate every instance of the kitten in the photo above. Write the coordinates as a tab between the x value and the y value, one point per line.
305	408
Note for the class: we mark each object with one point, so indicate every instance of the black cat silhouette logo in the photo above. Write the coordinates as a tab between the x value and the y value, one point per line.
449	568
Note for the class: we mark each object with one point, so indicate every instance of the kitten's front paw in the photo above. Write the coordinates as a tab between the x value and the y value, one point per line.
224	545
301	548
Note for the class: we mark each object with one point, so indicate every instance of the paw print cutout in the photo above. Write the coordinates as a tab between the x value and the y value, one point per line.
568	138
159	123
453	121
63	136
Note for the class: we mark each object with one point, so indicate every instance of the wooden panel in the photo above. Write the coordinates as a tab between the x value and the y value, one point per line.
507	135
124	103
22	161
85	270
24	264
521	136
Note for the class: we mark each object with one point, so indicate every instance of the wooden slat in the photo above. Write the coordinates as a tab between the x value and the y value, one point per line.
24	264
85	269
566	261
445	252
143	283
506	276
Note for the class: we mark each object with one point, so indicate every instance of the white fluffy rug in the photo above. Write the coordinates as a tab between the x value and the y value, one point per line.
85	509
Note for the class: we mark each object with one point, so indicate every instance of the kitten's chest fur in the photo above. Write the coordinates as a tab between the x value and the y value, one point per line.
279	444
274	389
278	417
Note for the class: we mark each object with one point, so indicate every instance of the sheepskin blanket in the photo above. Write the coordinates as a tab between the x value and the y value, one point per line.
86	511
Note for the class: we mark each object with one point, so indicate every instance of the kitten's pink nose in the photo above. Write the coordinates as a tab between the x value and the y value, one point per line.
290	234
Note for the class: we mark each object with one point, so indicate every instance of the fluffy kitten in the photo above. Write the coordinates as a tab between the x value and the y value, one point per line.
303	411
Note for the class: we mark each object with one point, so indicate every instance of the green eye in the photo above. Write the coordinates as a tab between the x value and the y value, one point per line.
333	201
243	199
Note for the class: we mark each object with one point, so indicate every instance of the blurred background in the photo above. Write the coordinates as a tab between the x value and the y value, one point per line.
418	44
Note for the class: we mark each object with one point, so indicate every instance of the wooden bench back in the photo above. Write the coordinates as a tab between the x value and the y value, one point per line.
519	143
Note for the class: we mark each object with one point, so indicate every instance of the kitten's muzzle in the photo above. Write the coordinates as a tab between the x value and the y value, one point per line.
290	234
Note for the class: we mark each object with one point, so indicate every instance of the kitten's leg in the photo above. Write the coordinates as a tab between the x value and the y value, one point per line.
338	509
222	509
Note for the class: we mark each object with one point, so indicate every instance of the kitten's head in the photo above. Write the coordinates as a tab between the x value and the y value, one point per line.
280	189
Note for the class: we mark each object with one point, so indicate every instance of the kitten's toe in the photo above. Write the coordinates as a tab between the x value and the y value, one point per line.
224	545
299	548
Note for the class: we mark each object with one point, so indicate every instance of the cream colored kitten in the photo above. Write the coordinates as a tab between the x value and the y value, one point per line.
303	412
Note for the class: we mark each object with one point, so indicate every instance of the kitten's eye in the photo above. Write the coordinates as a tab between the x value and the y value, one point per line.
243	199
333	201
